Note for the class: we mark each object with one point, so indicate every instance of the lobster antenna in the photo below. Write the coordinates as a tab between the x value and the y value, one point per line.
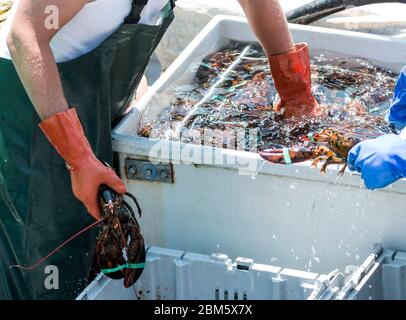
127	206
57	248
135	201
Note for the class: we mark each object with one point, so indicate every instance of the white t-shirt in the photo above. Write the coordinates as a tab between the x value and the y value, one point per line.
89	28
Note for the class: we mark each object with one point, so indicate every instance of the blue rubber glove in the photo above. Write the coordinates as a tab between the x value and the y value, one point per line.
397	112
380	161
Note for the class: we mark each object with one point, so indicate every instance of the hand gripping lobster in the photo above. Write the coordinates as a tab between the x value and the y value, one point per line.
120	248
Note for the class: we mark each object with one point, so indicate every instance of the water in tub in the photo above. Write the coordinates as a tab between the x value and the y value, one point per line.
232	93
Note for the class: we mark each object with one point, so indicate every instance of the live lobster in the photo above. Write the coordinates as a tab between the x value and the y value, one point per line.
120	247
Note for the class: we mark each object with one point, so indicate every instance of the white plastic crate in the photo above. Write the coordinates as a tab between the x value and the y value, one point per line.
172	274
381	277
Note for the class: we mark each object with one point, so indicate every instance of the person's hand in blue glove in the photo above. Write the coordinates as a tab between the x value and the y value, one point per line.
397	112
380	161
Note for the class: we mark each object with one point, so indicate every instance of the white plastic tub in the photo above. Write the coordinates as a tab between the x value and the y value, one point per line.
288	215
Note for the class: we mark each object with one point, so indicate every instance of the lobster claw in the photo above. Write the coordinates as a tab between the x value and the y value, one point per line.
136	260
286	156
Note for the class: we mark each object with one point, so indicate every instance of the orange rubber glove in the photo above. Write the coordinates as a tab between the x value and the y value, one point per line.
292	76
64	131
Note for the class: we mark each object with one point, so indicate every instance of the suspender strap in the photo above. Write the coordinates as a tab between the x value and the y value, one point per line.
136	8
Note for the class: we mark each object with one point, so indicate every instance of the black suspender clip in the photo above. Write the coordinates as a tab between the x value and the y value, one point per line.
137	7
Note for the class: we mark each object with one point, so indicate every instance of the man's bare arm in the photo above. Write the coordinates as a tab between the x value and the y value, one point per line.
29	45
268	22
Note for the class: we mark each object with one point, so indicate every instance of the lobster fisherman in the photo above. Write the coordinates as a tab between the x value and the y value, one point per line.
62	89
382	161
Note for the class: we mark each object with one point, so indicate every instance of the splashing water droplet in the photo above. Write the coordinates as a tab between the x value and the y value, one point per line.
255	174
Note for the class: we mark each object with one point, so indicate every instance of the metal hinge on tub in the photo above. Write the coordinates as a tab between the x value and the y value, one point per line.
145	170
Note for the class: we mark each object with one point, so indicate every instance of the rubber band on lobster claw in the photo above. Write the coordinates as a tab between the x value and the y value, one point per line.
120	247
